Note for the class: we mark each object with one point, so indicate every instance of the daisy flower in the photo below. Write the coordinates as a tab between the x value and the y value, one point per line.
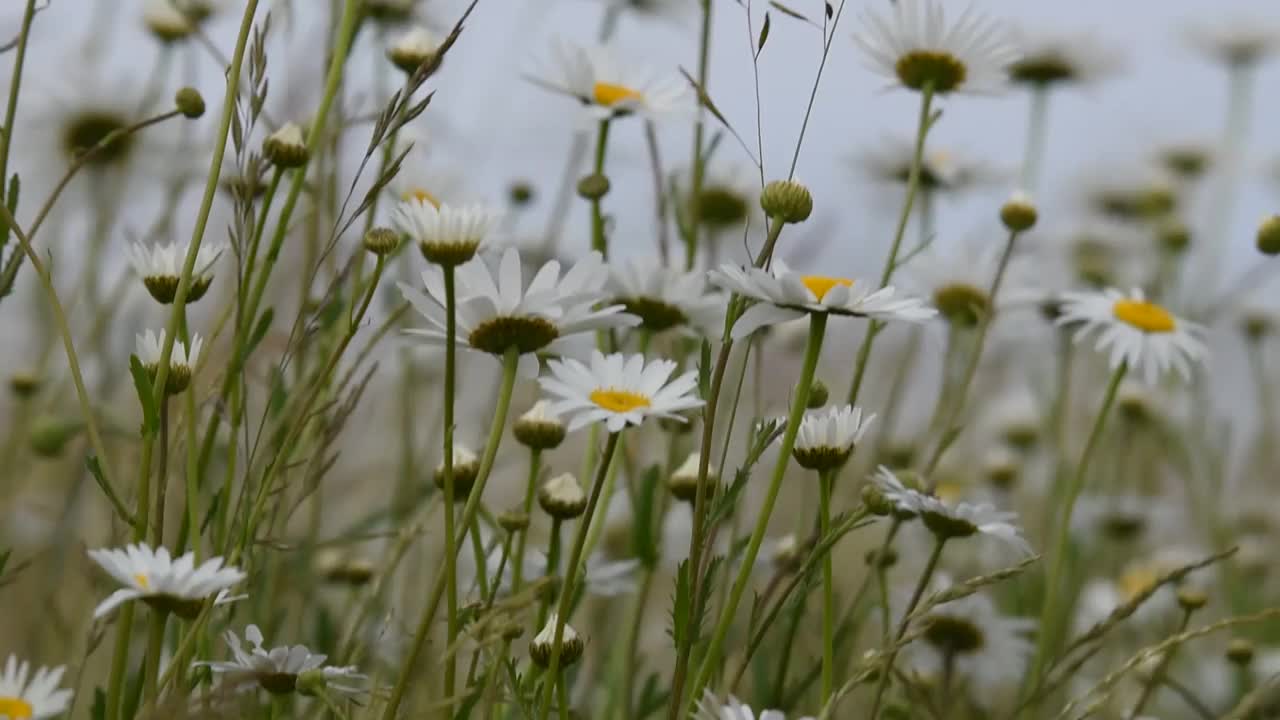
825	440
710	708
785	295
665	298
915	46
958	279
1059	59
904	501
178	586
607	89
1235	40
619	390
497	310
282	670
413	48
182	361
1142	335
39	698
889	161
160	267
446	235
985	648
961	519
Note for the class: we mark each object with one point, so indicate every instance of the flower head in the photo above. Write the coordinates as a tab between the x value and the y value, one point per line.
1137	332
916	47
962	519
825	440
619	390
413	48
160	267
543	644
711	708
1060	59
446	235
785	295
889	161
31	698
987	649
607	88
1236	40
282	670
665	298
497	310
182	361
178	586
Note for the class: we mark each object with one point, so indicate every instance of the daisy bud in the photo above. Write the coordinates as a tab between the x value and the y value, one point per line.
466	466
875	501
286	148
1001	469
310	683
49	435
166	22
381	240
786	553
1174	236
722	207
562	497
593	186
1019	213
1239	652
538	429
24	384
413	49
182	360
1255	325
520	193
1269	236
961	303
341	570
818	395
511	631
571	645
888	560
189	102
513	520
787	201
1135	403
683	482
1190	599
1186	162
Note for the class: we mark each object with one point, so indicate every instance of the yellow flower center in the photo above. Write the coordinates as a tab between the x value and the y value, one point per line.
619	401
421	196
608	94
1146	316
949	491
1137	580
142	581
15	708
820	285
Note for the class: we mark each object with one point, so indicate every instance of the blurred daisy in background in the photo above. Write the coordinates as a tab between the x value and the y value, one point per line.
665	298
943	171
711	707
1052	59
609	88
1142	335
1235	40
282	670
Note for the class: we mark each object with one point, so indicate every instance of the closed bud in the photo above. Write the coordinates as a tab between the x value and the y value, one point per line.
24	384
520	193
1269	236
1190	598
539	428
543	644
818	395
286	148
1240	652
683	482
1019	213
381	240
466	466
1174	236
513	520
189	102
593	186
787	201
413	49
562	497
50	435
876	502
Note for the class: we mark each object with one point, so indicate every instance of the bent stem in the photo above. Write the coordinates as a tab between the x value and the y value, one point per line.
1048	629
564	606
817	329
901	632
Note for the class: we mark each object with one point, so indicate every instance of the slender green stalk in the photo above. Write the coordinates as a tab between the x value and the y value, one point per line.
15	83
599	242
697	165
565	604
151	665
1037	132
903	624
450	547
553	567
1053	589
1157	673
510	363
891	263
531	488
828	590
711	661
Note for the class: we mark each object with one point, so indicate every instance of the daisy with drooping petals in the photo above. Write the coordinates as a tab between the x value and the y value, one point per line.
182	361
446	235
665	298
160	267
710	708
1059	59
962	519
1144	336
282	670
785	295
905	501
825	440
608	89
39	698
619	390
497	310
166	584
916	47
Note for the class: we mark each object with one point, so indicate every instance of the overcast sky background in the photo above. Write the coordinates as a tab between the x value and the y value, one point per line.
488	126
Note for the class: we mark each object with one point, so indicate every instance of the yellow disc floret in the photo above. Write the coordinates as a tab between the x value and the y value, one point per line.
15	708
619	401
1146	316
609	94
820	285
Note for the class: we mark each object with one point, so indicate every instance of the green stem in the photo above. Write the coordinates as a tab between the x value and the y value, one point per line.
553	567
891	263
828	590
450	547
151	665
711	661
11	108
903	624
531	488
1153	680
564	607
599	242
510	363
696	164
1037	132
1048	618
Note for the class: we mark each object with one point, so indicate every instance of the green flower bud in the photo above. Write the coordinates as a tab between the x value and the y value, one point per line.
787	201
189	102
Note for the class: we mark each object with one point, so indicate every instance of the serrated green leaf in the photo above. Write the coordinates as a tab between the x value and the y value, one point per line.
681	605
146	396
